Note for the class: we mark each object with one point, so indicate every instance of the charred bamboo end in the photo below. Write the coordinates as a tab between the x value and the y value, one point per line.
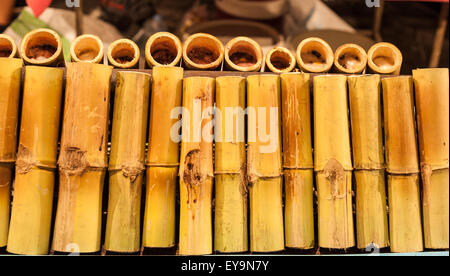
124	54
385	58
203	52
8	48
243	54
87	48
314	55
280	60
41	47
350	59
163	49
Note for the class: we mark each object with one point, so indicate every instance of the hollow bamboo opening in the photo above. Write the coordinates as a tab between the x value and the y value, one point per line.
87	48
124	54
203	51
385	58
8	48
243	54
41	47
350	59
280	60
314	55
163	49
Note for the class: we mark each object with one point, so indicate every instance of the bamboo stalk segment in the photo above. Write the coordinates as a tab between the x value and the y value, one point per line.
124	54
203	52
163	158
314	55
280	60
6	173
8	47
333	163
83	158
230	167
432	104
243	54
384	58
264	163
350	59
163	49
42	47
87	48
126	165
196	167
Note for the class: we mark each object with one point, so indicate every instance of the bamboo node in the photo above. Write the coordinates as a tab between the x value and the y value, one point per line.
74	161
334	173
132	170
25	160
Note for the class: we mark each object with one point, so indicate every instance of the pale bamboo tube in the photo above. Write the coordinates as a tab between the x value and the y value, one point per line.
82	161
298	160
87	48
126	165
36	161
8	47
384	58
6	173
402	165
333	163
314	55
230	162
163	49
280	60
432	98
350	59
196	167
243	54
42	47
368	157
264	163
203	52
162	159
124	54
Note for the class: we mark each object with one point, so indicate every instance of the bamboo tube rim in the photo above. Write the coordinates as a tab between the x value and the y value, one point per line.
244	45
88	44
217	51
124	49
46	36
7	45
163	41
356	53
389	55
318	48
283	55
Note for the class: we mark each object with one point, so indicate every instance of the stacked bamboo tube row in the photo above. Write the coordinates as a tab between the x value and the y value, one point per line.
348	115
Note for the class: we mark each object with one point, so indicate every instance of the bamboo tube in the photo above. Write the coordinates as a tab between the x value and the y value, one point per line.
6	172
124	54
264	163
203	52
368	157
350	59
432	86
280	60
298	160
87	48
243	54
384	58
230	162
162	159
314	55
42	47
31	214
333	163
402	165
82	160
163	49
196	167
126	165
8	47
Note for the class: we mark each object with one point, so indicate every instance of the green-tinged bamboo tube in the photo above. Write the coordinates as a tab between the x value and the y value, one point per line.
280	60
350	59
314	55
162	158
196	167
8	47
87	48
368	157
243	54
31	215
83	161
126	164
432	104
230	165
42	47
333	162
402	165
384	58
298	160
163	49
203	52
124	54
264	163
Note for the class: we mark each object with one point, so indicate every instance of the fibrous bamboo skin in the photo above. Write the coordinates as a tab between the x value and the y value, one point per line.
83	161
196	167
230	165
264	163
126	165
432	104
10	75
402	165
298	160
36	161
162	158
332	162
368	158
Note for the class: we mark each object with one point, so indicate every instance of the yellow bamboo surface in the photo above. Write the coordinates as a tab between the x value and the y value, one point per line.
126	165
6	172
36	161
196	167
